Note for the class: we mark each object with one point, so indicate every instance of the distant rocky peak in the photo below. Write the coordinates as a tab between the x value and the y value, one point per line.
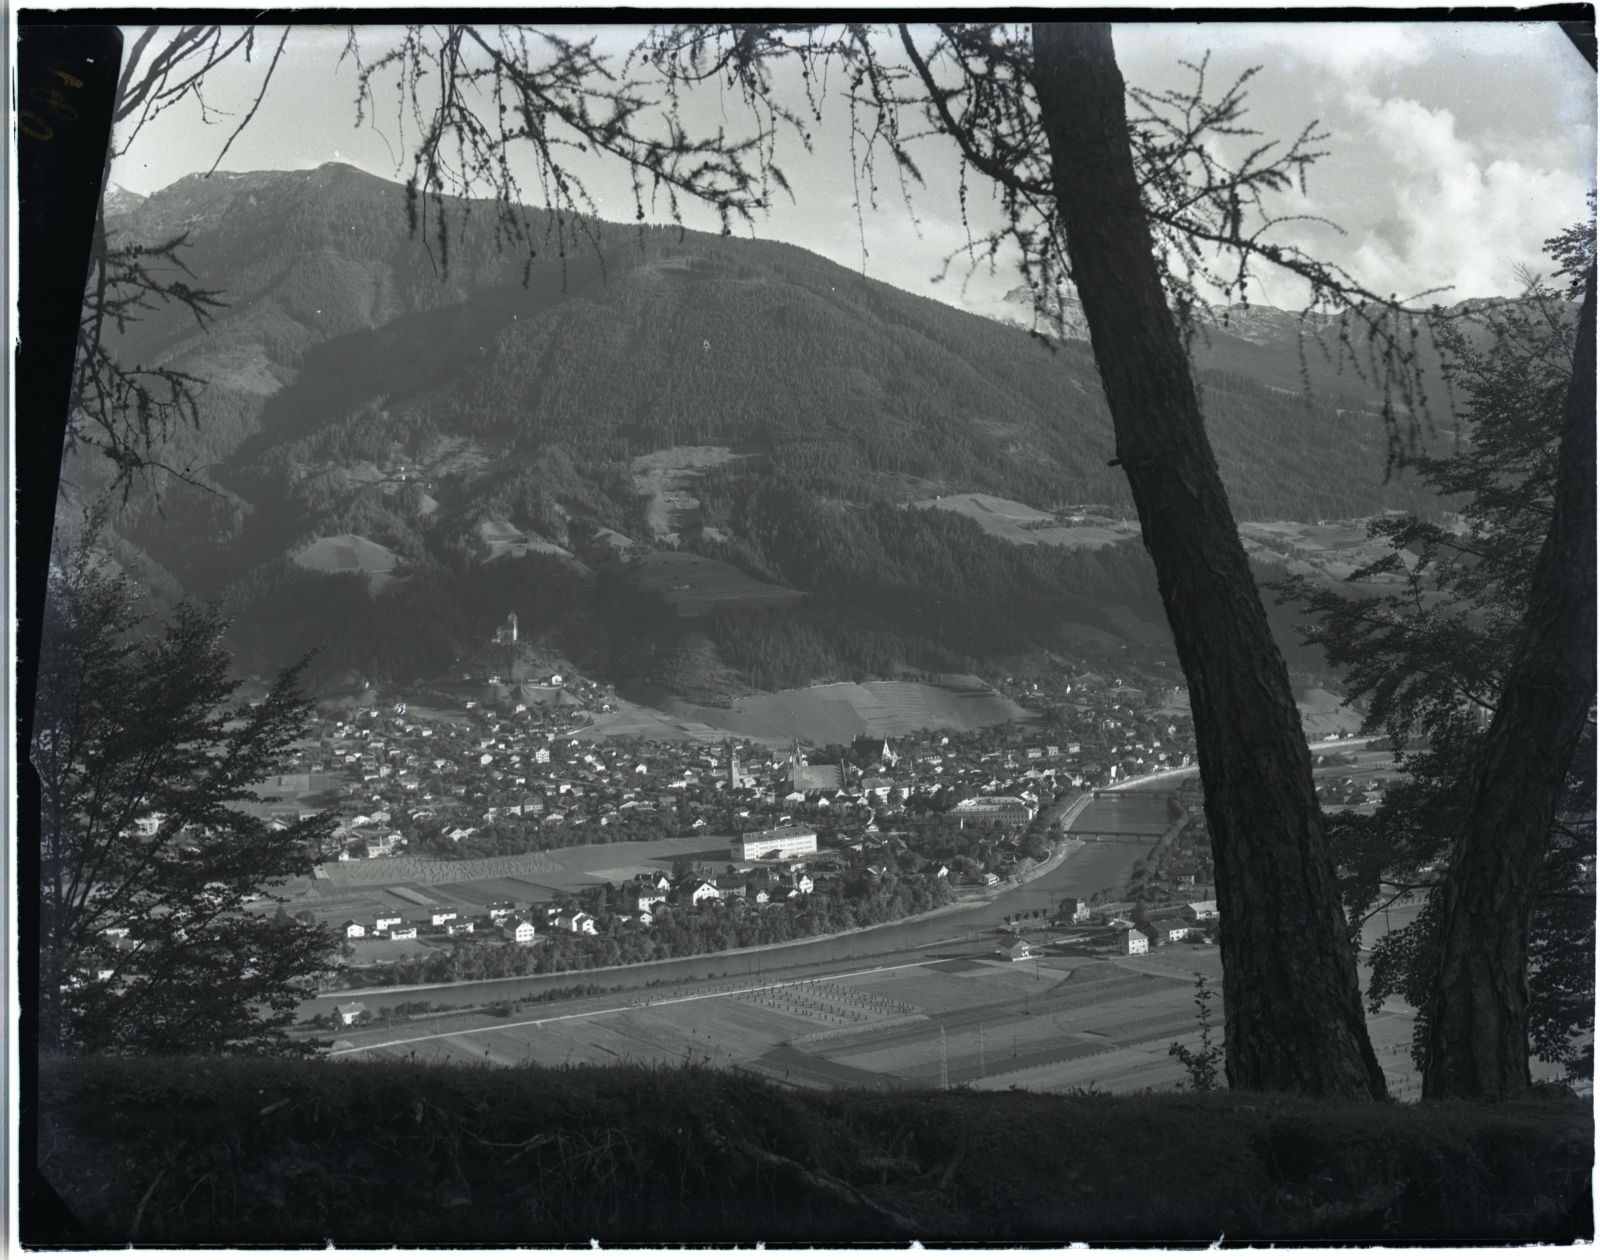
1057	312
118	200
1061	309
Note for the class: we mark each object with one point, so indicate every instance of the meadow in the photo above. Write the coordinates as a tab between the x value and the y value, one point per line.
1027	526
695	585
835	713
502	538
411	885
963	1016
665	478
1067	1019
349	553
1323	714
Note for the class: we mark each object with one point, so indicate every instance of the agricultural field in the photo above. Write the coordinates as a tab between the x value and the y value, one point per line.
1067	1019
1028	1017
1091	636
838	712
368	952
291	793
963	1016
1136	628
350	553
359	890
503	538
631	719
455	455
1332	549
695	585
1323	714
574	866
666	480
1027	526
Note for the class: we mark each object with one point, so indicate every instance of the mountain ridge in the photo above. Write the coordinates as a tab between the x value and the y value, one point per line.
356	391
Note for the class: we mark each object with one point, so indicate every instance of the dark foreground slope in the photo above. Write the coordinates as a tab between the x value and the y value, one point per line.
248	1151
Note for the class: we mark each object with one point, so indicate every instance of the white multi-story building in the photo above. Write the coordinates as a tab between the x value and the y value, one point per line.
776	843
523	932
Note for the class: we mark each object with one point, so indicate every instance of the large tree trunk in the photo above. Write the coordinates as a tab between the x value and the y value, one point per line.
1478	1018
1293	1014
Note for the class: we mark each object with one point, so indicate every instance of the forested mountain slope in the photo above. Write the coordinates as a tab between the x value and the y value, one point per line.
359	389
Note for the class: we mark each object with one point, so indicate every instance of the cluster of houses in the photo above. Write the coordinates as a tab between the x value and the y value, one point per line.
640	900
510	772
1131	929
1115	725
402	780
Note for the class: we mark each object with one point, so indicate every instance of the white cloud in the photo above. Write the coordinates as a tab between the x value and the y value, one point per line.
1349	50
1459	216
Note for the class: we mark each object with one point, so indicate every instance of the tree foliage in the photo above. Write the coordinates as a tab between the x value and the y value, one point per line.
1427	651
149	850
131	413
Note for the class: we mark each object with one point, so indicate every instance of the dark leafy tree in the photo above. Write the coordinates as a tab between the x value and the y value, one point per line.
1432	655
150	857
1478	1015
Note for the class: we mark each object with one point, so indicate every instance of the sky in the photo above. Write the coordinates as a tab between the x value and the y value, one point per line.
1455	148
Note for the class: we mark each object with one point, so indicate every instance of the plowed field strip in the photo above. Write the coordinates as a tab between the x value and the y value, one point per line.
809	1068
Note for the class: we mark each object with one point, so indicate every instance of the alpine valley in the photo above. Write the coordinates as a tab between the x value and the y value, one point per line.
697	466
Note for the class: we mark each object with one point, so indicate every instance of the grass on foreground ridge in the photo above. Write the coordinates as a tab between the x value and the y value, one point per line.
281	1151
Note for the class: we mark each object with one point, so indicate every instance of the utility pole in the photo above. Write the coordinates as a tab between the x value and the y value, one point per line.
944	1061
981	1072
